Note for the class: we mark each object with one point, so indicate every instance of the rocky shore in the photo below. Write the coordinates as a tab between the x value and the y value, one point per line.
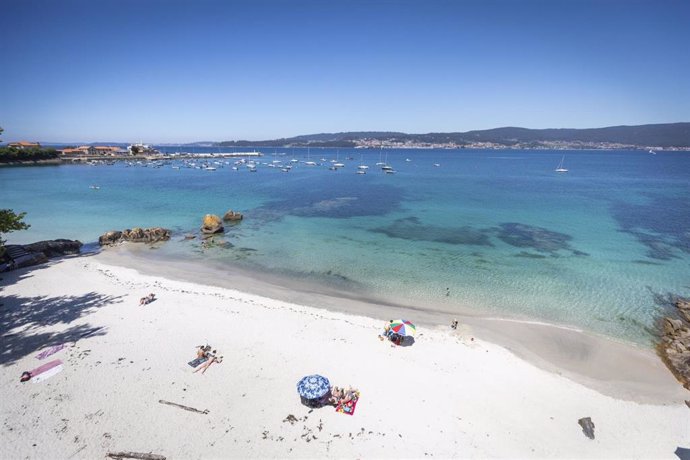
20	256
674	347
135	235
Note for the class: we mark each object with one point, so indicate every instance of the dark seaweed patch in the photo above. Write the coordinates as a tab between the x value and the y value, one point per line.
530	255
537	238
662	224
412	229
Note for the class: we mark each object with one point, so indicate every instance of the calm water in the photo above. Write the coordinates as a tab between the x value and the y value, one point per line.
498	232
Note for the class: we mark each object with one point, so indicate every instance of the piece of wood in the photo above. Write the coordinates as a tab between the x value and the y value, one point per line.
191	409
137	455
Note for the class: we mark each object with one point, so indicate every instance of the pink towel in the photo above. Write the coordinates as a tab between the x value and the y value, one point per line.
50	351
44	368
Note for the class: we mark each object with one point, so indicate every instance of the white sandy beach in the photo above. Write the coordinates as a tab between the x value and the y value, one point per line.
445	396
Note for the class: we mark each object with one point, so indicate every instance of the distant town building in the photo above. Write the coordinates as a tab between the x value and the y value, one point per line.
91	150
24	145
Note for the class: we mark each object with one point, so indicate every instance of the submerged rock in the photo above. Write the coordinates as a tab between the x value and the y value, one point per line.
587	426
232	216
674	347
211	224
135	235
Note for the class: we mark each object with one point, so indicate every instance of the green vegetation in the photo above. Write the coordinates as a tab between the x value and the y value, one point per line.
659	135
9	222
14	154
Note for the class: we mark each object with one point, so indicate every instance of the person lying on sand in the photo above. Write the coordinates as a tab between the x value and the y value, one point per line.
148	299
386	330
212	358
336	395
202	351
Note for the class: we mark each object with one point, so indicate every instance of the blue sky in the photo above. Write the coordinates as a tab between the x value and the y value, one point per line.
170	71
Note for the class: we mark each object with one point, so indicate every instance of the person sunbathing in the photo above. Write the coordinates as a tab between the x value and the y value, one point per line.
350	395
386	330
202	351
212	358
148	299
336	395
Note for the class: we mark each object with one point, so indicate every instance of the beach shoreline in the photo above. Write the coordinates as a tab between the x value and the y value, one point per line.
453	393
611	366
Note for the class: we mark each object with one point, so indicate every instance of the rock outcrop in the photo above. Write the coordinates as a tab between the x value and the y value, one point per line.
20	256
232	216
55	248
211	224
674	347
135	235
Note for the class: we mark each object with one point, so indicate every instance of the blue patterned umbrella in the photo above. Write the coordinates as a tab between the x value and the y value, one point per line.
313	386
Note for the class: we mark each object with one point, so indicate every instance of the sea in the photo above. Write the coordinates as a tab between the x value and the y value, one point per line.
602	247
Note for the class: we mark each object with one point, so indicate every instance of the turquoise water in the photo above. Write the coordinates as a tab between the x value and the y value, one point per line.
497	232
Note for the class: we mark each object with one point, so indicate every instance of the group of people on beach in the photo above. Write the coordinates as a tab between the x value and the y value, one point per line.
341	396
389	334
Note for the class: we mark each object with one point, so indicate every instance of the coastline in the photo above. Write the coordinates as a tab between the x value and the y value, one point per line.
451	394
618	369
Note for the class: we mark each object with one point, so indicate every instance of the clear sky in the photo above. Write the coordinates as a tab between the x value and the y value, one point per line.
183	71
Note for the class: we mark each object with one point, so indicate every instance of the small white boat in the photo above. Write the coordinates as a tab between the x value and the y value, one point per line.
210	168
560	168
310	163
408	160
652	152
361	171
437	165
94	187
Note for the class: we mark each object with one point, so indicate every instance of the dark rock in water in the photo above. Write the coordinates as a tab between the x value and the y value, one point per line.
135	235
232	216
211	224
674	346
587	427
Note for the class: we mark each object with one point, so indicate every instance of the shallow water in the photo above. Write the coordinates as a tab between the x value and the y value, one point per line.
497	232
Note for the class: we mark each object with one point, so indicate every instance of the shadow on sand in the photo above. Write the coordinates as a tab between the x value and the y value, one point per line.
22	317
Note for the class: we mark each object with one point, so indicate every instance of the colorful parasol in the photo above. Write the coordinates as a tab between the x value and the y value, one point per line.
313	386
403	327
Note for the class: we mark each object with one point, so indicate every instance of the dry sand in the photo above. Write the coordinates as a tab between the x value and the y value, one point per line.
445	396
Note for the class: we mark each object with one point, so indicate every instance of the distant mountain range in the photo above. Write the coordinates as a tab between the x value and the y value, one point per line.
667	135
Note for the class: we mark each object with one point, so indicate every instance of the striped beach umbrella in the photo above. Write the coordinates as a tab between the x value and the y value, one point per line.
403	327
313	386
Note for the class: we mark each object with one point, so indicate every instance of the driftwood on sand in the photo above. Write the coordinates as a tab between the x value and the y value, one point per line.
137	455
191	409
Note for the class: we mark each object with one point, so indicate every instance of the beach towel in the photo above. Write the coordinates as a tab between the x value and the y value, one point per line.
197	361
44	369
349	407
47	374
50	351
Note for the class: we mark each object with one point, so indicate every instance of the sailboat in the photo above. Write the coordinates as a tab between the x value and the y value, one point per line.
560	168
309	162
